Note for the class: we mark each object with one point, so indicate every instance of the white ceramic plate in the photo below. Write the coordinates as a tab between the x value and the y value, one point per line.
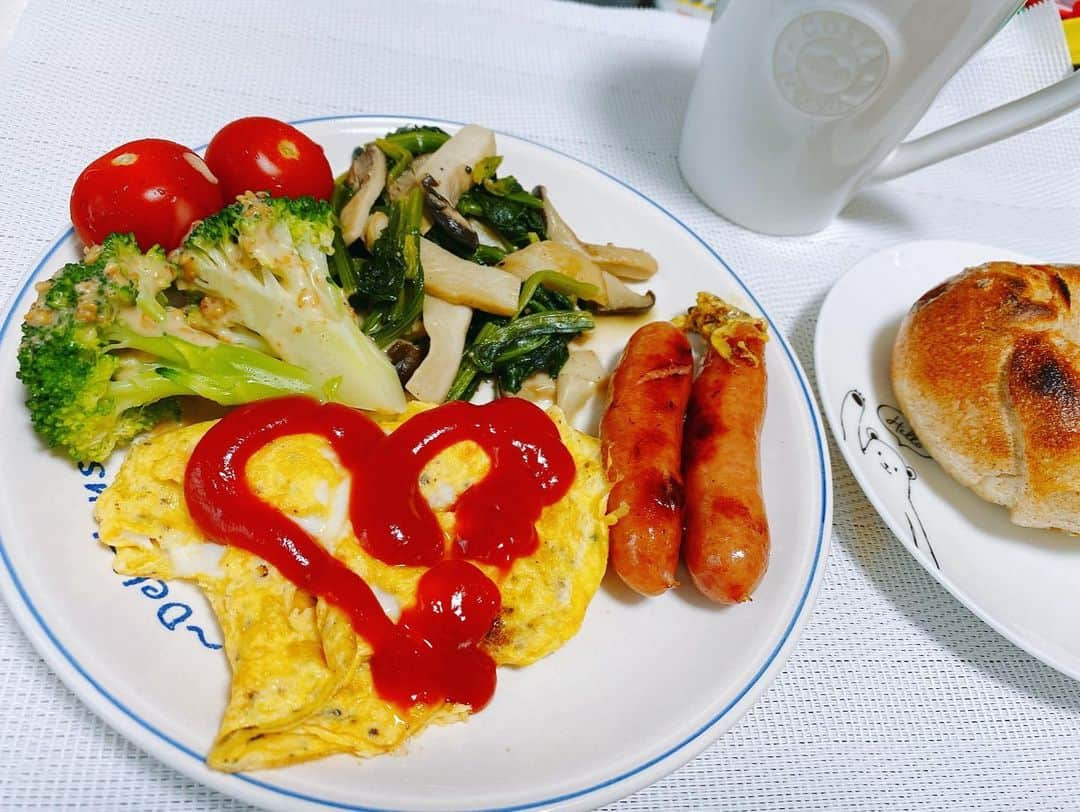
643	687
1023	582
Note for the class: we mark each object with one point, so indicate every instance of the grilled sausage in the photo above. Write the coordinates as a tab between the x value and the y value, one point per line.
726	540
641	433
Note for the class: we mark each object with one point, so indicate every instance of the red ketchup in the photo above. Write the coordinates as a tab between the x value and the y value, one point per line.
432	653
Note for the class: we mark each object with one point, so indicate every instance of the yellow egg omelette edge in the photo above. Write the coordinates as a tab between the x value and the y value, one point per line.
301	685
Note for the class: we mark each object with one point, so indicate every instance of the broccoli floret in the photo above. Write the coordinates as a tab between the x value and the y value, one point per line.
264	261
103	356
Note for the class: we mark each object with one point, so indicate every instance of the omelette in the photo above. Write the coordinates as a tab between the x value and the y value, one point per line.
301	684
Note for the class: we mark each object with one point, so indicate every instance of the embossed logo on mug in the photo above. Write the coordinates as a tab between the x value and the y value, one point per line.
829	64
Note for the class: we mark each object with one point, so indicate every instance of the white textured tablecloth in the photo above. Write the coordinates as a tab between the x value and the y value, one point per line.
896	697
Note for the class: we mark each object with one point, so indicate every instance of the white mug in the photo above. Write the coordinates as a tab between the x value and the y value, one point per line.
798	104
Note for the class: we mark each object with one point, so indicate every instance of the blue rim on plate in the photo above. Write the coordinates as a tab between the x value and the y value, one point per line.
813	576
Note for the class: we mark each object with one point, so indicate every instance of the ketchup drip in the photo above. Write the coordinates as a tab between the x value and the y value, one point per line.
495	517
431	654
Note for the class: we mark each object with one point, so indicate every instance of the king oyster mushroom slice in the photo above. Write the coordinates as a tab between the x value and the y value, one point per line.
580	376
404	183
447	216
578	261
538	388
548	255
451	164
487	235
625	263
456	280
621	299
367	175
459	281
557	228
374	227
446	325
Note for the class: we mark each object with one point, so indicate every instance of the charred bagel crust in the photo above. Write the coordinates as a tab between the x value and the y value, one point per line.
987	369
1043	381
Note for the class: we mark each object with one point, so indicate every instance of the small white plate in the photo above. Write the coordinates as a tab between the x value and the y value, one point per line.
1023	582
644	686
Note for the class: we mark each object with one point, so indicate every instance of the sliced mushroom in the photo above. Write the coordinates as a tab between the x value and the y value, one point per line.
625	263
621	299
539	388
451	164
452	221
580	376
367	175
459	281
487	235
446	325
406	357
404	183
374	227
557	228
552	256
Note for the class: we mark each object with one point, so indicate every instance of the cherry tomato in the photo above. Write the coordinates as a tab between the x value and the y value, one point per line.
261	154
152	188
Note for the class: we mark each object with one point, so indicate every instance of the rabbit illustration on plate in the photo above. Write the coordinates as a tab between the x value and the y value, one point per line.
901	476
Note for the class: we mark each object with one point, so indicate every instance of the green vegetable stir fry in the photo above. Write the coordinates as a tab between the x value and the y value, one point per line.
425	214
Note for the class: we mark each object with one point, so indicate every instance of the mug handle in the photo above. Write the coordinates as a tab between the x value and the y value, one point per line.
1001	122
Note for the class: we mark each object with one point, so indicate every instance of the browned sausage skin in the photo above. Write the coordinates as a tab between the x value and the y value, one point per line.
642	432
726	541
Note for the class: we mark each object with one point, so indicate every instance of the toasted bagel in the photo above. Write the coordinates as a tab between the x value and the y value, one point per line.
986	367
